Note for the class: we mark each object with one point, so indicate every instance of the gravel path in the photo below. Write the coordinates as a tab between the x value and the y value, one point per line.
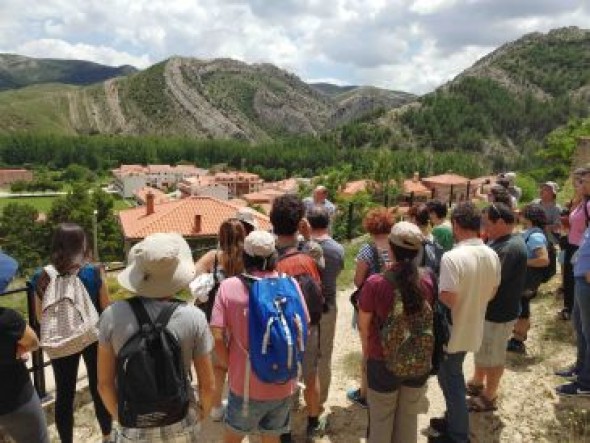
529	411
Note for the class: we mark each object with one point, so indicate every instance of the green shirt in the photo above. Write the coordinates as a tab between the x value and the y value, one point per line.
443	234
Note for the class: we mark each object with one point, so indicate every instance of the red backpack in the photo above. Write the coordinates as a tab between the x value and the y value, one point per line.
304	269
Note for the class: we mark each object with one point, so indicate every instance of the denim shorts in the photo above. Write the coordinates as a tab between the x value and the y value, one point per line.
268	417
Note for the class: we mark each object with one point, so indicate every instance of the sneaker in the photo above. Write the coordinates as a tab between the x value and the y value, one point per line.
354	395
442	438
516	346
572	390
217	412
438	427
312	432
568	373
286	438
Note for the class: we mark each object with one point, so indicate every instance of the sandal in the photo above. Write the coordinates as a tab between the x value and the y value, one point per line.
474	390
482	404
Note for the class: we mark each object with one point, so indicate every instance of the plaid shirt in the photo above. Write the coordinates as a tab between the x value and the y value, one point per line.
185	431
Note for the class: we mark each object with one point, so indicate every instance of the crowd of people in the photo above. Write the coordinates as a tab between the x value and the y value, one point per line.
258	330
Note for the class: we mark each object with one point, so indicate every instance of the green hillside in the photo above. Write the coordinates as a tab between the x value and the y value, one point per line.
17	71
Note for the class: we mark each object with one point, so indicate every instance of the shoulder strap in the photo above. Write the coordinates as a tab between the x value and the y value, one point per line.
376	256
292	252
139	311
215	265
164	316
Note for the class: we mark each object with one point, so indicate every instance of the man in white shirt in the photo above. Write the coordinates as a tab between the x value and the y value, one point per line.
320	198
469	277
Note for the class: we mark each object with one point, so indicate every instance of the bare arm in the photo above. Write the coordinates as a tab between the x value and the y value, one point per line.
205	263
106	379
206	380
221	351
361	272
104	299
541	258
364	323
27	343
448	299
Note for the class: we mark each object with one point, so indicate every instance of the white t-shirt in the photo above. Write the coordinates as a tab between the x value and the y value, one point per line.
472	271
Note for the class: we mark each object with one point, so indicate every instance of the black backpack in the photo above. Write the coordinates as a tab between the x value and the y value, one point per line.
432	256
151	379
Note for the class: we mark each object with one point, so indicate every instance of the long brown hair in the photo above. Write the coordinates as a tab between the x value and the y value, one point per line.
70	247
408	278
231	243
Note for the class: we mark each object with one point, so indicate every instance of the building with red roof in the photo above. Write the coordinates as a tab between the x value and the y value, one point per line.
197	219
449	187
9	176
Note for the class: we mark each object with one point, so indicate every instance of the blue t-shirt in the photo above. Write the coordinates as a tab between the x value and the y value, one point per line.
90	276
582	256
534	239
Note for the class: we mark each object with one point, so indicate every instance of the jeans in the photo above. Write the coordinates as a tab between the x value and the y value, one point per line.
65	371
581	320
452	384
27	423
568	277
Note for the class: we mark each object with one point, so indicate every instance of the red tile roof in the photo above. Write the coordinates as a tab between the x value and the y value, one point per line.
416	187
446	180
179	216
141	194
354	187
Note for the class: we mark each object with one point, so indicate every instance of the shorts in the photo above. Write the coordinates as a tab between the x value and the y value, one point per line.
492	353
267	417
311	357
185	431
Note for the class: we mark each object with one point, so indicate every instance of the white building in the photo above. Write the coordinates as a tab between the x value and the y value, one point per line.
130	178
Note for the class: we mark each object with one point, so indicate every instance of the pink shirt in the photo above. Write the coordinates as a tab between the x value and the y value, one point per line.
578	224
230	312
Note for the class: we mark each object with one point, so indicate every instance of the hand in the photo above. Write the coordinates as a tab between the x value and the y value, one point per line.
304	229
587	277
21	353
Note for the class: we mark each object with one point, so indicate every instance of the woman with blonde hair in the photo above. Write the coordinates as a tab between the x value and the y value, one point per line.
223	262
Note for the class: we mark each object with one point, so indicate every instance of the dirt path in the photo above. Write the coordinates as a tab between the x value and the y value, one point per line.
528	409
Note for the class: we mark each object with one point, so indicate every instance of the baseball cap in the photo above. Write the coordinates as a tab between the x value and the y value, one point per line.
259	244
406	235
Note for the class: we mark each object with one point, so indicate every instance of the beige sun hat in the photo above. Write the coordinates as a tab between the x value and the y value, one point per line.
246	215
259	244
159	266
406	235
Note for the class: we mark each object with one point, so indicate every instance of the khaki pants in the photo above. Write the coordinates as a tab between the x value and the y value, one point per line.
393	416
327	332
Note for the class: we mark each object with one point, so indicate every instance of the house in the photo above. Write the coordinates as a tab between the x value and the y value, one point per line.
197	219
264	199
239	183
129	178
9	176
354	187
140	195
288	186
449	187
415	191
204	185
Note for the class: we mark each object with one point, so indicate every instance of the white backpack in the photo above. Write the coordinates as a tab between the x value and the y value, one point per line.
68	317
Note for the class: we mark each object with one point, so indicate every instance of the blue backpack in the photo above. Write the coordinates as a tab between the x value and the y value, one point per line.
277	329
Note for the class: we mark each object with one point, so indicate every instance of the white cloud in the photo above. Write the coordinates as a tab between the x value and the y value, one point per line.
412	45
52	48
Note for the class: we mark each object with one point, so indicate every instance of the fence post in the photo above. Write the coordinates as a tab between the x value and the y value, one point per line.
468	190
451	197
37	356
349	224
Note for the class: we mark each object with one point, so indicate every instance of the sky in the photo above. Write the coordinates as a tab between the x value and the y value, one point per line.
408	45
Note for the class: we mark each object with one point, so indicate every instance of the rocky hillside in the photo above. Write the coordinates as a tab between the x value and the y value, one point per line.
507	102
220	98
17	71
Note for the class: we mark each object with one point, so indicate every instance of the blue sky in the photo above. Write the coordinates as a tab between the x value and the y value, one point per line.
410	45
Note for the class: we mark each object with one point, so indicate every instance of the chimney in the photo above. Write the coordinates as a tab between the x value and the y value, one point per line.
150	202
197	227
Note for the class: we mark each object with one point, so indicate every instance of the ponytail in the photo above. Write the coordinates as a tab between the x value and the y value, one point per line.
408	279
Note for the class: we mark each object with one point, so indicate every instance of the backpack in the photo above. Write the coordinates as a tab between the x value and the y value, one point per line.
152	383
277	329
408	340
537	276
69	319
432	256
304	270
207	307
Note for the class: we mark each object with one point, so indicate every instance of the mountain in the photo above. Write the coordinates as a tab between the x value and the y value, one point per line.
507	102
219	98
17	71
